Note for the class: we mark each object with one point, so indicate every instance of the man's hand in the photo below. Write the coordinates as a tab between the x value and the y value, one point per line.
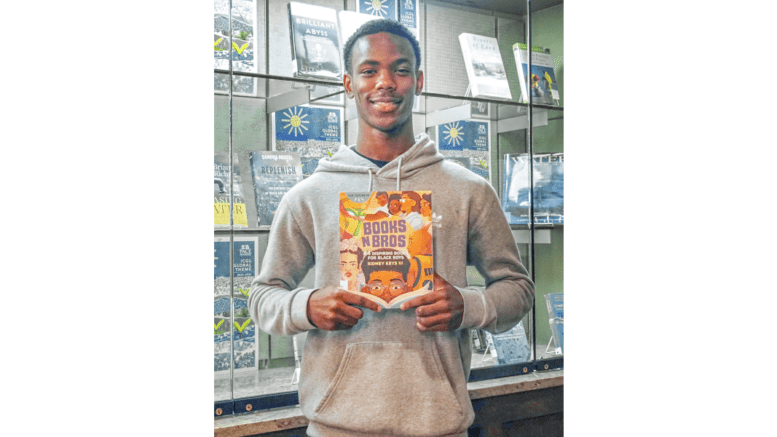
332	309
440	310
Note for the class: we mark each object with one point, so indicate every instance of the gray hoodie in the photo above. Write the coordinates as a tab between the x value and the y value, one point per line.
384	376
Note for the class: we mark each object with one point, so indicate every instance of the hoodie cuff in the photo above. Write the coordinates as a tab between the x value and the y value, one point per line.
474	308
299	310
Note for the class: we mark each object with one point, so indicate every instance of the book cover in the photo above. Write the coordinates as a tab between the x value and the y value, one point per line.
548	193
544	88
469	140
386	249
221	195
378	8
231	320
274	173
315	132
408	15
512	347
315	45
554	302
485	69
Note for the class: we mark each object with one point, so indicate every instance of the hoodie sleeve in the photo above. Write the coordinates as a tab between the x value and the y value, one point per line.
509	292
275	302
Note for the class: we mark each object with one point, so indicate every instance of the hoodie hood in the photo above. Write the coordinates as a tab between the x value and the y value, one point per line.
421	155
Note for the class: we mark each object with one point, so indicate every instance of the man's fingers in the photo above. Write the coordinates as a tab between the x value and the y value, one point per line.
355	299
437	319
423	299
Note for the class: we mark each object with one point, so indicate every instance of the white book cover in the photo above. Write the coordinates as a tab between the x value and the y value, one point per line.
485	69
544	88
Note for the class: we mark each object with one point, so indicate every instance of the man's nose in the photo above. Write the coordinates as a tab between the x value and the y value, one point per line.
385	80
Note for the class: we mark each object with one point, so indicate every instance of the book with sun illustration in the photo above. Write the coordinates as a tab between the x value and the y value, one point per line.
544	88
315	45
274	173
468	140
315	132
378	8
485	69
386	245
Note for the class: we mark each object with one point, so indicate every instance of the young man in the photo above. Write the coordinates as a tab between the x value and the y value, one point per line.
368	371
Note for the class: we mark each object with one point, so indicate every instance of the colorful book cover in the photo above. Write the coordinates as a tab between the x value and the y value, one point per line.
386	245
467	139
554	302
485	69
548	193
274	173
315	132
231	320
315	45
221	188
379	8
512	347
544	88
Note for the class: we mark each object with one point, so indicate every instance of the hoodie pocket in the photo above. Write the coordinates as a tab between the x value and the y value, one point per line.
391	388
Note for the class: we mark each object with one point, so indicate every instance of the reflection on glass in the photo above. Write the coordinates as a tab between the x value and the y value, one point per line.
242	43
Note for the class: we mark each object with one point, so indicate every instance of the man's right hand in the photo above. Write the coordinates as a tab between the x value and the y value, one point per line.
332	308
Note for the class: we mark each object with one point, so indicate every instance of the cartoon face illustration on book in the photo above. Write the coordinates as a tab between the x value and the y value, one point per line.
386	245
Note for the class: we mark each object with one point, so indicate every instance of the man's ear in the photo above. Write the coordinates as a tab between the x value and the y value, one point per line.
347	84
419	83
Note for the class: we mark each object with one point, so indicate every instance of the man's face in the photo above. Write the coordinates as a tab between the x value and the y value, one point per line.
384	81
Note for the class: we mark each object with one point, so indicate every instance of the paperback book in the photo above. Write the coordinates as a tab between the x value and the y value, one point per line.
555	305
485	69
408	15
467	140
548	193
378	8
315	45
231	320
315	132
221	192
544	88
511	347
274	173
386	250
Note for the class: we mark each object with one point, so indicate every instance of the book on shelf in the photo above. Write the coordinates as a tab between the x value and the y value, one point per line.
548	193
467	141
408	15
274	173
221	193
232	324
511	347
315	45
315	132
386	245
554	302
378	8
544	88
485	69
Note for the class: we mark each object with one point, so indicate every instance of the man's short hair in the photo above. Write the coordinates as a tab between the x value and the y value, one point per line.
378	26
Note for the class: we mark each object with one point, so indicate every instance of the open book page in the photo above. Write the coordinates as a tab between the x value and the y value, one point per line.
386	245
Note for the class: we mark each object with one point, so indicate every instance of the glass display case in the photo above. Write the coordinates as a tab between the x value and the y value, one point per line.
260	106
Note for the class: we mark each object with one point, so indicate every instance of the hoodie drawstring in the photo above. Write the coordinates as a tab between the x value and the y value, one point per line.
370	189
399	173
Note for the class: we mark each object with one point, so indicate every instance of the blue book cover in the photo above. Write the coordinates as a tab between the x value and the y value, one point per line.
512	347
315	132
548	193
274	173
468	139
379	8
408	14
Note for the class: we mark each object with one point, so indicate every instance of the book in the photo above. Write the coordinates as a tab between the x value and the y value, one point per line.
408	15
485	69
544	88
468	140
315	45
274	173
554	302
386	249
221	192
232	324
512	346
315	132
378	8
548	193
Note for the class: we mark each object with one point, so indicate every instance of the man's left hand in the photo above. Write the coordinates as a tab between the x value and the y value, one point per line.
440	310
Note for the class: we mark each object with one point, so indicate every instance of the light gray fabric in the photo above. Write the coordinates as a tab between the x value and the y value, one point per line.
384	376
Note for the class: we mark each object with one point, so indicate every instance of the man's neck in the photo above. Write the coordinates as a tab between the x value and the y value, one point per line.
382	146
